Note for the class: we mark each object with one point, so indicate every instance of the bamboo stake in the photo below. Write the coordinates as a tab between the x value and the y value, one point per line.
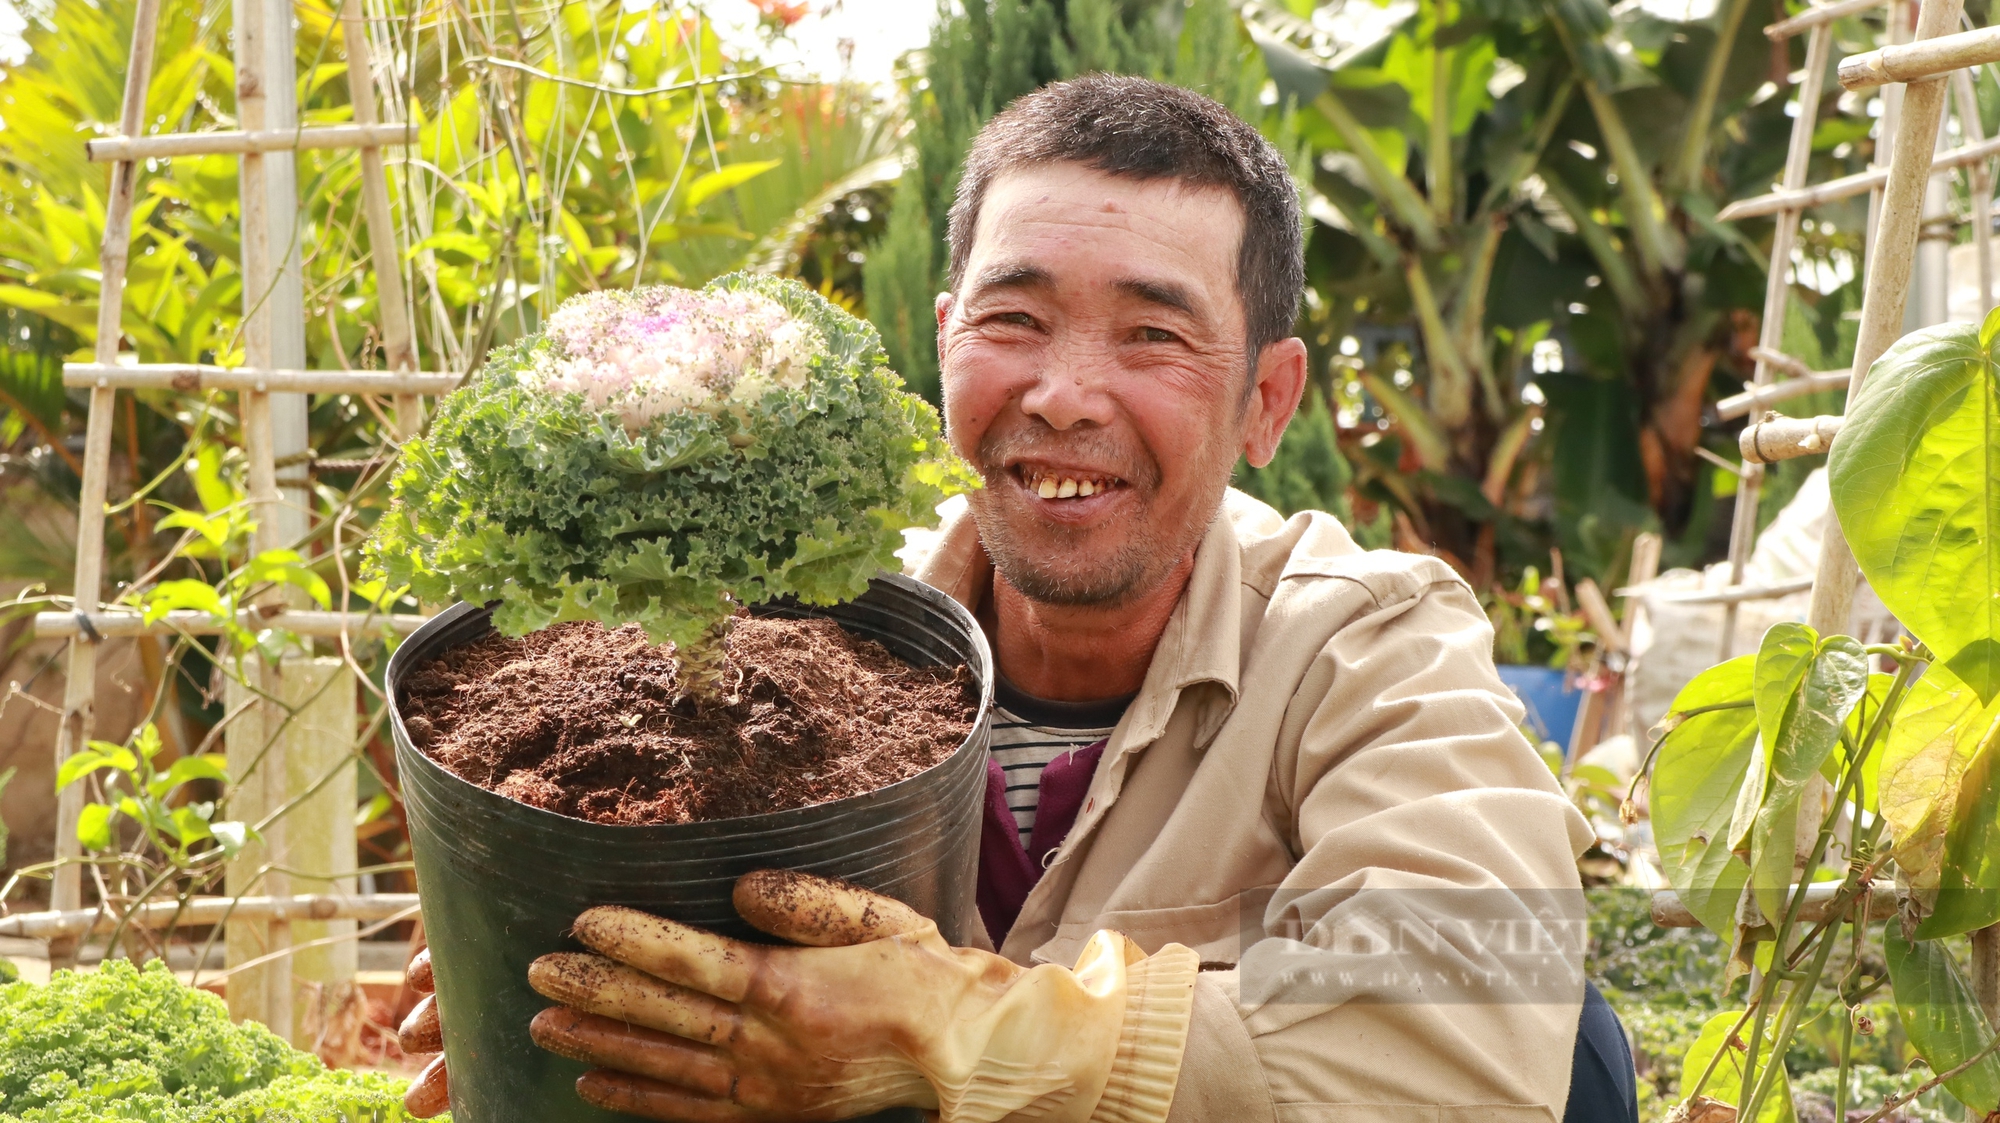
206	910
228	142
1669	911
1979	186
1818	15
1923	59
1848	186
1986	971
193	623
193	378
1777	293
1886	290
1787	438
260	25
383	244
1738	405
80	688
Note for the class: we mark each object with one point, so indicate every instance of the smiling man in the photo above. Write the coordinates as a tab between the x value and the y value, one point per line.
1263	840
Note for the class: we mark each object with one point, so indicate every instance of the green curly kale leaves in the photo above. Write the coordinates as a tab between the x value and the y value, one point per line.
558	513
123	1043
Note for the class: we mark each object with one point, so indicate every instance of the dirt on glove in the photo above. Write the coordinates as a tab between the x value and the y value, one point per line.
594	724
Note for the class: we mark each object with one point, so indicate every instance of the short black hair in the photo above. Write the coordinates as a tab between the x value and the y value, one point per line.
1136	127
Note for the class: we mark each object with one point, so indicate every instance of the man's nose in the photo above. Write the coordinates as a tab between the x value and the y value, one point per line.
1071	389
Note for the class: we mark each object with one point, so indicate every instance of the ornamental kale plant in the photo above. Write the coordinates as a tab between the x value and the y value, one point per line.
125	1043
665	456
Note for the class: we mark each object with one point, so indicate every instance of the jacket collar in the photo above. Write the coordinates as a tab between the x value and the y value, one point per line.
1202	643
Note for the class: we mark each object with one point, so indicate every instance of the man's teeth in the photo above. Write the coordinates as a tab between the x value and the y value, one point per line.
1066	487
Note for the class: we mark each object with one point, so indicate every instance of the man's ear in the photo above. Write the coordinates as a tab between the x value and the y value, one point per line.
943	309
1281	382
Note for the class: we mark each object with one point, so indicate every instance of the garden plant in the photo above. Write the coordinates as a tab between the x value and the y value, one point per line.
677	508
668	458
136	1043
1802	772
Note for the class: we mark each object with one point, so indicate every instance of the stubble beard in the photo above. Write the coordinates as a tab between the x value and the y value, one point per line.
1062	565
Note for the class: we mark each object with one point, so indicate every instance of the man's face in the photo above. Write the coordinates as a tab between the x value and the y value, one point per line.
1096	374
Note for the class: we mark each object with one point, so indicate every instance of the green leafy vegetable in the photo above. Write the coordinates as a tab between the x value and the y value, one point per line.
124	1043
561	512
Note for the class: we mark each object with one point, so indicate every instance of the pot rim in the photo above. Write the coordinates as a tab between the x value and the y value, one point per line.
456	616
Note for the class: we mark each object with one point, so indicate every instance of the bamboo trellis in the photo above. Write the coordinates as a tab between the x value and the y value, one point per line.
270	131
1926	66
1774	437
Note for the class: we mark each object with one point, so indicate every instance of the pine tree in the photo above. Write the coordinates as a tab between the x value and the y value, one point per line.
987	55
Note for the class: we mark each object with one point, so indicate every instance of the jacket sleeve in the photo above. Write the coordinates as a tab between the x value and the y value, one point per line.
1423	959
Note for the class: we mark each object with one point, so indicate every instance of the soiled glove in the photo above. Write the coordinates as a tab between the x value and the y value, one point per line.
877	1011
430	1093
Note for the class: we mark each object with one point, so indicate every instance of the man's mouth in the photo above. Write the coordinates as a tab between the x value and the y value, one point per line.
1065	483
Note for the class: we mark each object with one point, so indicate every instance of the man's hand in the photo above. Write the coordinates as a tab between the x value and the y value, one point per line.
430	1093
875	1011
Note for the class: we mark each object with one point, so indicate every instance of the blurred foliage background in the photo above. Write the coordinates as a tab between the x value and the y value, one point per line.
1521	307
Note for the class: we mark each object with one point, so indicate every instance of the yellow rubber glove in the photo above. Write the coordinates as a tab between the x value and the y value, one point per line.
877	1011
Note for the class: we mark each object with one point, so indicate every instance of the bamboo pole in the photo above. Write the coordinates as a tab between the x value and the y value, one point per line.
269	203
192	378
299	622
1926	58
1848	186
80	688
1986	971
203	911
238	142
1777	293
1886	290
1739	405
1818	15
1787	438
1738	593
1669	911
398	342
1979	186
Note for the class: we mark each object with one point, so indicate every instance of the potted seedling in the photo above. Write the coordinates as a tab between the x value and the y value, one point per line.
679	653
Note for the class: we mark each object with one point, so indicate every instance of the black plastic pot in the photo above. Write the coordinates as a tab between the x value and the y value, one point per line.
501	881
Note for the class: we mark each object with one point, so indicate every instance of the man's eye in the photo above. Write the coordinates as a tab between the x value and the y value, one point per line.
1158	335
1021	318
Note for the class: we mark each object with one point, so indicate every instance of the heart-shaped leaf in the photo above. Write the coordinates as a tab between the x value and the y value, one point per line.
1701	765
1942	1017
1915	478
1968	894
1725	1080
1801	727
1924	758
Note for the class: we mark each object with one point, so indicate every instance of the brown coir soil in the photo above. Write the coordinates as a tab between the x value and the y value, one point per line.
593	724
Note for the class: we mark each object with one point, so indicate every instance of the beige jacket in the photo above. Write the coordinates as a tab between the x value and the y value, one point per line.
1322	789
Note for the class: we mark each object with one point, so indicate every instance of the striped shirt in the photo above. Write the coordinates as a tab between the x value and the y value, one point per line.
1029	732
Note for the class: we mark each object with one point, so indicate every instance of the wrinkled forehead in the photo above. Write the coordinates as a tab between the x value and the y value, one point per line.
1082	228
